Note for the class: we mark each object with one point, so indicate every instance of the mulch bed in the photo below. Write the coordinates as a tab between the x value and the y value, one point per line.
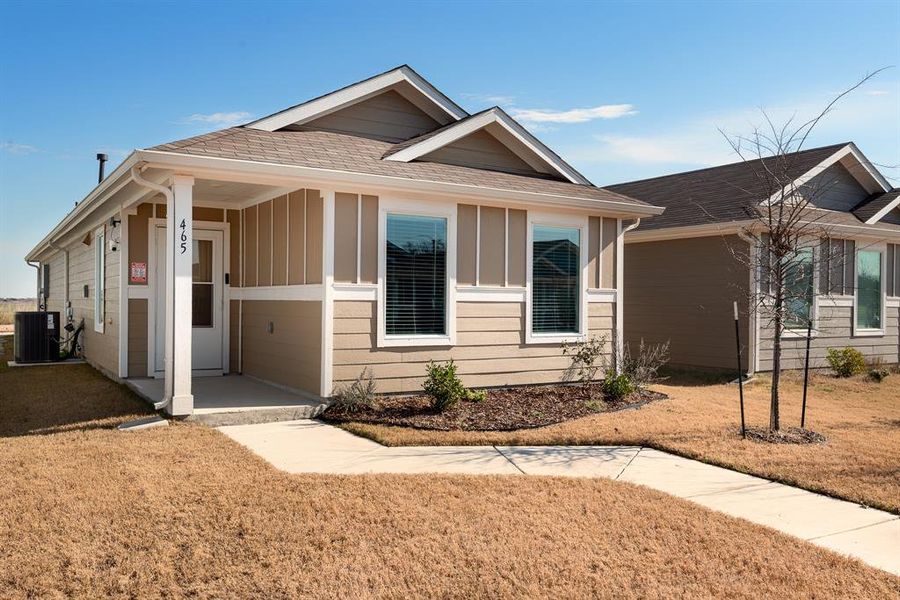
504	409
791	435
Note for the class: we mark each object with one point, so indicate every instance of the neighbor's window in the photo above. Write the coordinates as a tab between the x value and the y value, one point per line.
99	280
416	275
798	288
868	290
555	279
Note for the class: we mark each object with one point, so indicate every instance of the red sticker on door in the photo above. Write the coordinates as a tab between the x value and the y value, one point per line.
138	272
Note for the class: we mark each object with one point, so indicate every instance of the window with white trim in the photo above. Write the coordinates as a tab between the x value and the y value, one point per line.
99	280
869	308
555	280
799	290
415	275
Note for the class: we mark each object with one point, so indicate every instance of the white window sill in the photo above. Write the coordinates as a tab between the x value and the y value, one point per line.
868	333
798	333
554	338
416	340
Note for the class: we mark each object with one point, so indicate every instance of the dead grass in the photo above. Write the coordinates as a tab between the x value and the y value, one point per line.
859	461
9	307
87	511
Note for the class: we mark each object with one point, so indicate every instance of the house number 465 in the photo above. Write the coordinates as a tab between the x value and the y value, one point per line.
183	227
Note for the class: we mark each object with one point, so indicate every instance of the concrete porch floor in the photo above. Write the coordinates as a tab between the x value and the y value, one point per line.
236	400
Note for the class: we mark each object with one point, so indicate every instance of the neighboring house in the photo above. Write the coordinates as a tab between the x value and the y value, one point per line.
379	226
685	268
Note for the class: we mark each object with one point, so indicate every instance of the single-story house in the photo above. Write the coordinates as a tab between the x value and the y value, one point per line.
684	268
379	225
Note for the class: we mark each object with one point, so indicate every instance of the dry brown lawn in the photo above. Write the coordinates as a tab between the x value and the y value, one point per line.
87	511
861	420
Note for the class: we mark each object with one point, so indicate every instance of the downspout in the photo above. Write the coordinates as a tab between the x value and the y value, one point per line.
136	177
632	227
753	333
37	268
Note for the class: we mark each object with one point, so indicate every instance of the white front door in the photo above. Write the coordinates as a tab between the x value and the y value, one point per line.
208	317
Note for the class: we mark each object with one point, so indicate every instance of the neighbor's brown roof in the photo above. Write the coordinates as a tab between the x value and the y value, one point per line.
869	207
717	194
342	152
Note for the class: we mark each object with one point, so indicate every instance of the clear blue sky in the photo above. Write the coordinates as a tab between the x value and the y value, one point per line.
80	78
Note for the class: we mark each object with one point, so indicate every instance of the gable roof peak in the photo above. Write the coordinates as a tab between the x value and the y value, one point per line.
403	78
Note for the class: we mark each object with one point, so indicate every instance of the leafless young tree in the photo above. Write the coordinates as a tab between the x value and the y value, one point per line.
785	226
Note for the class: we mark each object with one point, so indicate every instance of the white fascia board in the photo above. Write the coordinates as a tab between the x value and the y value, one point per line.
689	231
470	126
232	169
884	211
357	93
849	149
105	188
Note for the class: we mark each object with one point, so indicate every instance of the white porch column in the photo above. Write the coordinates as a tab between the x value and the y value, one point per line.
179	275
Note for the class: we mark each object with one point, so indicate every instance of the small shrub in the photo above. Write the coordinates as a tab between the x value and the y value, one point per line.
617	386
359	395
475	395
643	367
443	385
878	374
846	362
584	355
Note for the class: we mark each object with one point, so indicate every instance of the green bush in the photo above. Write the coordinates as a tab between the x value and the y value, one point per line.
443	385
475	395
846	362
878	374
359	395
617	387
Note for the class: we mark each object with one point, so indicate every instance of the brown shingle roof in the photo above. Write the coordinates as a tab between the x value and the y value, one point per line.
870	206
342	152
716	194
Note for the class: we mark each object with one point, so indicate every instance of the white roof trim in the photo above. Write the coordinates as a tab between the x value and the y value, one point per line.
884	211
849	149
358	92
471	125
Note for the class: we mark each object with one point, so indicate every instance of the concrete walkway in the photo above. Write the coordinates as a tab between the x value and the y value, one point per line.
873	536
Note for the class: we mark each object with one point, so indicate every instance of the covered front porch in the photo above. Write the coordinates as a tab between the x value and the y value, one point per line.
236	400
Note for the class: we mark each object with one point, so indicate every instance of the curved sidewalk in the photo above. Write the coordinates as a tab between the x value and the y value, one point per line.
870	535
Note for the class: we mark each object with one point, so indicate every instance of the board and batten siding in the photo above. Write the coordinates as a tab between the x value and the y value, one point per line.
490	349
681	292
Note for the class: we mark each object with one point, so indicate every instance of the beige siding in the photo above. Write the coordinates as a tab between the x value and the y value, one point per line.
264	244
137	337
234	338
100	349
490	348
291	354
369	241
297	239
466	234
250	249
279	241
313	237
480	150
835	330
492	253
608	260
56	301
234	261
682	291
345	237
388	116
518	240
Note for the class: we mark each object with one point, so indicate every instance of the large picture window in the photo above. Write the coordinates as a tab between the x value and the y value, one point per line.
555	278
415	275
868	290
799	291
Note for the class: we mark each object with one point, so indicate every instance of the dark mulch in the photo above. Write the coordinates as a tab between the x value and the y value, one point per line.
504	409
791	435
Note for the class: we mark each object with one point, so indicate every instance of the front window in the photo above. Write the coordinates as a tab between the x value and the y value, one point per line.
868	290
416	275
555	279
798	290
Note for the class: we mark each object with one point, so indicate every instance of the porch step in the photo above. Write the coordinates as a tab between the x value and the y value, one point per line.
259	415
